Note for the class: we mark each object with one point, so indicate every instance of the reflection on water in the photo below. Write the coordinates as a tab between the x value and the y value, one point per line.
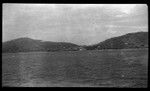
85	69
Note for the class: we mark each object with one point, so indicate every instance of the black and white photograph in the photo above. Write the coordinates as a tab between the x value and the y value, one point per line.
75	45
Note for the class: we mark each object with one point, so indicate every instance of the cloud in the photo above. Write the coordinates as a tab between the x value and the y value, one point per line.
111	31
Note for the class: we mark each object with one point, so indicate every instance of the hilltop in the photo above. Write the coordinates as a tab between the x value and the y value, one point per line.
130	40
28	45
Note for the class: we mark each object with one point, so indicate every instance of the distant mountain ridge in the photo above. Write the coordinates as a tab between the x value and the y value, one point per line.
130	40
28	45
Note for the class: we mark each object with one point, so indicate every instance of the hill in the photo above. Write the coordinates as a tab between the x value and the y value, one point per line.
127	41
28	45
130	40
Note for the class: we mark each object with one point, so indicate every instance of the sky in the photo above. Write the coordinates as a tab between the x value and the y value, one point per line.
82	24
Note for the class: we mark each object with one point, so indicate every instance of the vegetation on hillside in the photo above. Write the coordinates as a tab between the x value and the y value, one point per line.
130	40
28	45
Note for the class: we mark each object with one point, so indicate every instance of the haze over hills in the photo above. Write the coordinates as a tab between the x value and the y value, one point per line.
130	40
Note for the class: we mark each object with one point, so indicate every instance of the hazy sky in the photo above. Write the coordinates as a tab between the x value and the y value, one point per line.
82	24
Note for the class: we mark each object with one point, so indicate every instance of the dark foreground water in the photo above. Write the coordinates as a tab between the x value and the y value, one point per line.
107	68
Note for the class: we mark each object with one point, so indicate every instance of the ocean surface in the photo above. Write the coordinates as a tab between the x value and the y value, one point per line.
96	68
